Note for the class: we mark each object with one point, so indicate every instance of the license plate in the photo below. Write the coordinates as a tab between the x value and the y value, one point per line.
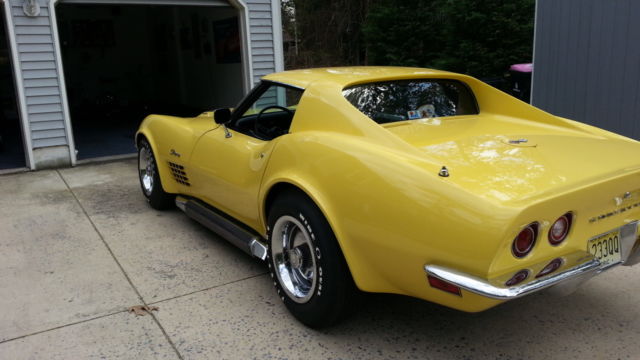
606	248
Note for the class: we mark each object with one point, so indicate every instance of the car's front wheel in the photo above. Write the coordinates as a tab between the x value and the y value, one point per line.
306	264
150	179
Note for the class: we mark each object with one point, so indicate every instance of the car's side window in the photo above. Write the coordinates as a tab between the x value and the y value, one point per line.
270	114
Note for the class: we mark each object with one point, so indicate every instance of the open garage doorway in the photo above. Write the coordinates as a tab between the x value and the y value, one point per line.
11	147
123	62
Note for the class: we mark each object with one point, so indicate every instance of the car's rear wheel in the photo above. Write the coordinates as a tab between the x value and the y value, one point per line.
150	178
306	264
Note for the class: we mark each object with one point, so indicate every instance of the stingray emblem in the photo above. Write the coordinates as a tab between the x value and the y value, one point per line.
174	153
518	141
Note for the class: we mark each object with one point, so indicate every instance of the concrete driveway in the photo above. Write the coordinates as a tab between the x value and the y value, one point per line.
79	246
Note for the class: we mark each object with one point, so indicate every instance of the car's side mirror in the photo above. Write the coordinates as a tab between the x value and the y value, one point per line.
222	116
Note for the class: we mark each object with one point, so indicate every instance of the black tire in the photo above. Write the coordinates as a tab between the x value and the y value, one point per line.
329	299
151	186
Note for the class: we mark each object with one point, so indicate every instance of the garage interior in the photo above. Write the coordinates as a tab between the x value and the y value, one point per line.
11	147
124	62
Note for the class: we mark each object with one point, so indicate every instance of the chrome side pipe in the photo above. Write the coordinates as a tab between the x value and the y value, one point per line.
247	241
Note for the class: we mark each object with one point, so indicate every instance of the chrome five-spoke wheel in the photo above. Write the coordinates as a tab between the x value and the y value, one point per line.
150	178
293	257
146	167
305	262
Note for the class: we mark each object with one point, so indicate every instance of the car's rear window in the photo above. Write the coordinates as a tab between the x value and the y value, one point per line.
392	101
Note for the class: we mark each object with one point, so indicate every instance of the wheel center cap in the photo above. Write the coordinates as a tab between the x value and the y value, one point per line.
295	258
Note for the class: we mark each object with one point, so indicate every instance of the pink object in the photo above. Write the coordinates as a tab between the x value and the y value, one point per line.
525	68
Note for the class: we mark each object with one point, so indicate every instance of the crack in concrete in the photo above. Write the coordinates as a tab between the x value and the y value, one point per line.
209	288
63	326
157	321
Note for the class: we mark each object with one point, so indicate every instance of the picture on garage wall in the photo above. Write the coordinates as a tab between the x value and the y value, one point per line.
227	40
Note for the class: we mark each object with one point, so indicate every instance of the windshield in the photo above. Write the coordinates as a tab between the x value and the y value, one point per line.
392	101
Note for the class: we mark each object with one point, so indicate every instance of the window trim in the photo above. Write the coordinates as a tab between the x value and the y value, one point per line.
255	94
473	95
251	98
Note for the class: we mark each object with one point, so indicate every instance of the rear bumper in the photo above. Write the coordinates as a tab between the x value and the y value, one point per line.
564	281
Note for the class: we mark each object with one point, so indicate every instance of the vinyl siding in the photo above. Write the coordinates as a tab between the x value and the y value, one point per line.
586	62
37	65
261	33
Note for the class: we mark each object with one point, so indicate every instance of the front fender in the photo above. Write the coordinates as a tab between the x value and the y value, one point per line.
151	136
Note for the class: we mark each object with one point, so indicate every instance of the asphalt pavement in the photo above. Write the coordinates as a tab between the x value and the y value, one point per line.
80	246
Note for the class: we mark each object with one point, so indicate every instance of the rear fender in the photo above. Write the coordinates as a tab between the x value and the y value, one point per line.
391	216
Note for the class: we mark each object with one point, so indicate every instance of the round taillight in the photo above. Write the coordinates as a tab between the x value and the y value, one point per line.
559	230
551	267
523	243
519	277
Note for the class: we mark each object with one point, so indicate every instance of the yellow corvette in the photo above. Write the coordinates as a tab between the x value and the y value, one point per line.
399	180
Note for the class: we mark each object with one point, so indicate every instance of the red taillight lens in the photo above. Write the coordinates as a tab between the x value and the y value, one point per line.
444	286
523	243
551	267
560	228
519	277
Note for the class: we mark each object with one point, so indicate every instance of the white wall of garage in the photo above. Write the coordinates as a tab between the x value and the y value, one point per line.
39	74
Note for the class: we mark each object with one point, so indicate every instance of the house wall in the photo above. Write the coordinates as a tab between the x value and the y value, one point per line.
586	62
40	78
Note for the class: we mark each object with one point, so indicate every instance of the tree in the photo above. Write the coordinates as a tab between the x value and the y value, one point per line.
328	32
480	38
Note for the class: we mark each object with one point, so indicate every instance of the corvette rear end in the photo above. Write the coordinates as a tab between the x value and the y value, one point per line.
562	200
595	231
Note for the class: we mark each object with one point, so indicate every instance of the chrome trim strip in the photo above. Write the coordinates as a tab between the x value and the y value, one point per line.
181	203
484	288
249	242
258	249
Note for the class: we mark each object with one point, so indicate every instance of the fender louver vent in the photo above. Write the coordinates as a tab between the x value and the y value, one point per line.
179	174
